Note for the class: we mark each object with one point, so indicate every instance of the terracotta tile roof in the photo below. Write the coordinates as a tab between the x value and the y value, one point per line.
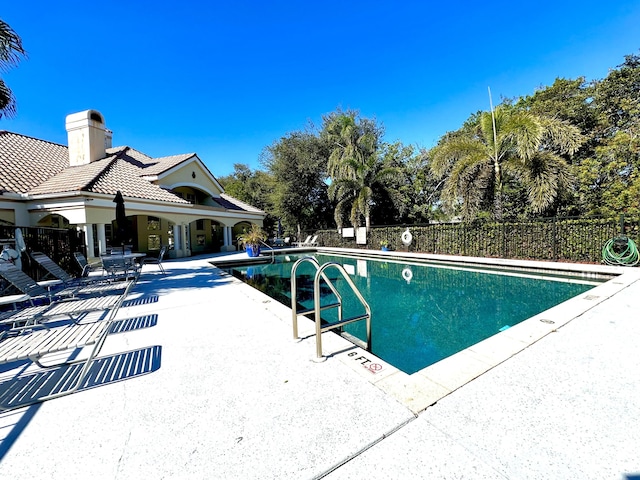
121	175
27	162
231	203
162	164
106	176
37	167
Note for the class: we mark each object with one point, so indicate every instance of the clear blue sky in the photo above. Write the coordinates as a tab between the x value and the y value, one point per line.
226	79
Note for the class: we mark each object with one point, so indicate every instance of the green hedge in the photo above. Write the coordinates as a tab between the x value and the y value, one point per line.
557	239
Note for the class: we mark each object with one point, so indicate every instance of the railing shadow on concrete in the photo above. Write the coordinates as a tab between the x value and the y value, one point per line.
106	370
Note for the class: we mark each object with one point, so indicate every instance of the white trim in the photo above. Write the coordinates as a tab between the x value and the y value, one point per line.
193	159
197	186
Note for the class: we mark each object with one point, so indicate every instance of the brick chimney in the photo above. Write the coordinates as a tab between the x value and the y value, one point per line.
88	137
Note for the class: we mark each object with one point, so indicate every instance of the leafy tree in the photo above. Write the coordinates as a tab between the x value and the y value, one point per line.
10	51
609	175
567	99
298	166
410	196
421	190
252	187
512	143
618	98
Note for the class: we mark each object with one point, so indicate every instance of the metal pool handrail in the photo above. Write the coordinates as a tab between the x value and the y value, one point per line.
294	294
273	257
318	308
339	323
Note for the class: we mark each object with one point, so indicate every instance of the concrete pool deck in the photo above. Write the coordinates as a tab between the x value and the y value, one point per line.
226	393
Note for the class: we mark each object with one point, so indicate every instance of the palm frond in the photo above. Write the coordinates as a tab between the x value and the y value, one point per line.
10	47
547	175
447	154
561	135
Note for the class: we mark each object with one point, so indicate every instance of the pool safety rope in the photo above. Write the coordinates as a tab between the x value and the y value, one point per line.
620	251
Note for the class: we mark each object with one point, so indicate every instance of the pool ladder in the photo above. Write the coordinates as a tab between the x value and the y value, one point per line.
318	308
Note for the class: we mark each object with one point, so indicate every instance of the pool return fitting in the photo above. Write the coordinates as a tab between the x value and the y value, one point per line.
317	308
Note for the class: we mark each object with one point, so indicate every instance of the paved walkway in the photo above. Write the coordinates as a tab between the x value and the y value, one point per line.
214	387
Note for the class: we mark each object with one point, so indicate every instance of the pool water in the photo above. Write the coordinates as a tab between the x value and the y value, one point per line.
420	313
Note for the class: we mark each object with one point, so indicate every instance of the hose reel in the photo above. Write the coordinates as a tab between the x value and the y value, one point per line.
620	250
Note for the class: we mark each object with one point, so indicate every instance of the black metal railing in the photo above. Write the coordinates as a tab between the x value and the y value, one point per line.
57	243
570	239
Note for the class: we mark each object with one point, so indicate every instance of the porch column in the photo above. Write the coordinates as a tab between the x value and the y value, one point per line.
102	239
186	241
177	238
228	239
88	239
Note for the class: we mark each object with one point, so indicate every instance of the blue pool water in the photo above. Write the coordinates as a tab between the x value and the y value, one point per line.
420	313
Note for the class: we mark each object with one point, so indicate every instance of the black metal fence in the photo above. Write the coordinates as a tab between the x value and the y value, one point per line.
57	243
557	239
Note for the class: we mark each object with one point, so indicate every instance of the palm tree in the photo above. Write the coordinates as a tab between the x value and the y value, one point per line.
10	51
354	166
349	138
355	189
475	160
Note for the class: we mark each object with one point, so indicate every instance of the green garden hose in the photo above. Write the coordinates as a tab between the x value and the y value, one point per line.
620	251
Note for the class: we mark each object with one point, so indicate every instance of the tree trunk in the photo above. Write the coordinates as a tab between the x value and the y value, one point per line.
497	206
497	192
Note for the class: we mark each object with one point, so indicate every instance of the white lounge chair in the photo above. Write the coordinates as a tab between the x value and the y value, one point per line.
302	244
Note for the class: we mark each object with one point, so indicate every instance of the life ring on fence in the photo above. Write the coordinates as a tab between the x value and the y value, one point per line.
407	274
407	238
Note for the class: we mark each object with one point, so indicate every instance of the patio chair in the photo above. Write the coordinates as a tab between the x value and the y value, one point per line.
56	271
85	266
120	267
313	242
84	286
156	260
302	244
35	344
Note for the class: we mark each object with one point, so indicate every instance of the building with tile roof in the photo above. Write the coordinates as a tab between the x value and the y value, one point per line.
173	200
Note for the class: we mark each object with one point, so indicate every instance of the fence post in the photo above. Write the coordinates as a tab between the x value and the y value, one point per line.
622	224
554	230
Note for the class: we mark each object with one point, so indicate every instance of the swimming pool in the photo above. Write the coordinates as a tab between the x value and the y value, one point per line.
421	313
